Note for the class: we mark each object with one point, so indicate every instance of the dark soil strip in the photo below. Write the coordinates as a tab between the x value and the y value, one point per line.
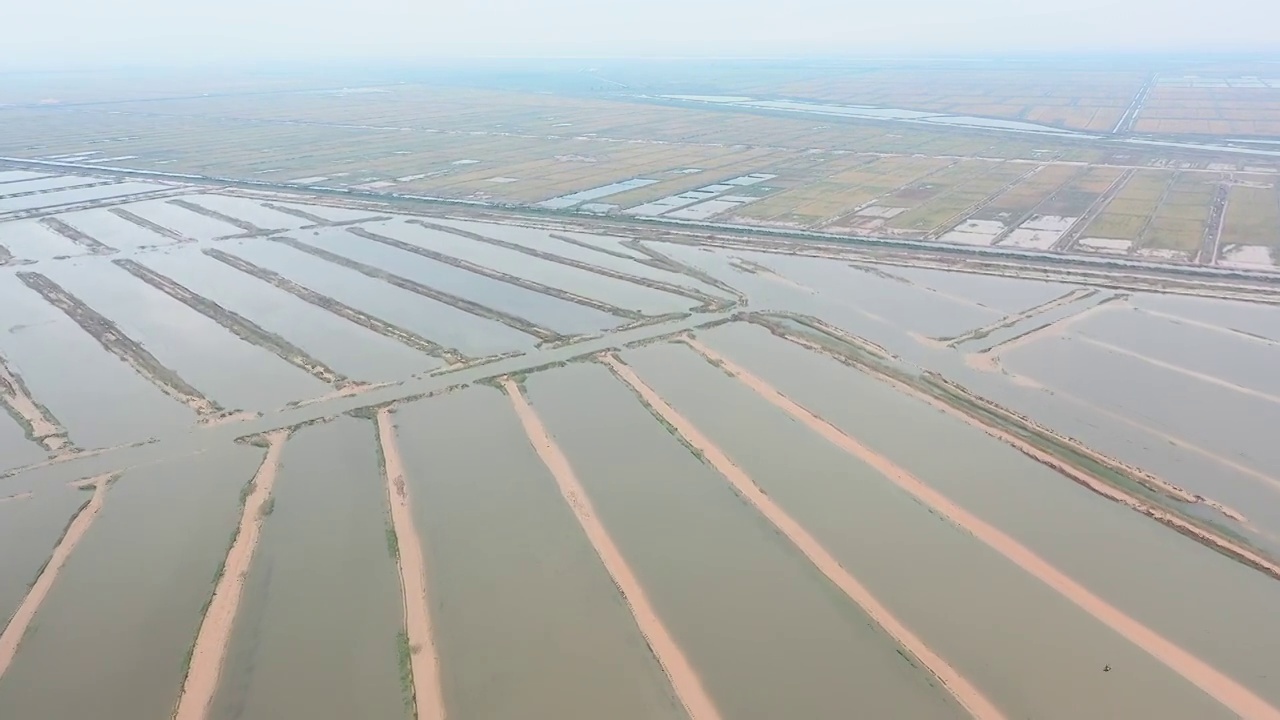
595	248
498	275
114	341
664	262
37	422
709	303
244	225
359	317
77	236
142	222
242	327
488	313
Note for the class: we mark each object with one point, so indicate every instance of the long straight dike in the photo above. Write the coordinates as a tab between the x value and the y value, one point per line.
180	442
1213	682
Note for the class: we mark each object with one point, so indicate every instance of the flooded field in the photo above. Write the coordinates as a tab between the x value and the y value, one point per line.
528	620
267	456
321	608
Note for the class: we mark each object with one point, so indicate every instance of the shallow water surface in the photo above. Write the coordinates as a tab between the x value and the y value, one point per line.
527	621
316	636
110	641
769	635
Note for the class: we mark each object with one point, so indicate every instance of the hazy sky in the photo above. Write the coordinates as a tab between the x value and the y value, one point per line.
52	32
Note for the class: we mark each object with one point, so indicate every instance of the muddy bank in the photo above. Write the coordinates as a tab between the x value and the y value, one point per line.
38	424
122	616
541	333
475	269
968	695
15	629
509	567
1014	319
708	303
684	677
1228	691
346	312
114	341
1104	475
241	326
988	359
209	650
146	224
75	235
316	633
6	257
423	672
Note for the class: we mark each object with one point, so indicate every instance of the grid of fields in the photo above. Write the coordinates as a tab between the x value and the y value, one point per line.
286	458
1222	106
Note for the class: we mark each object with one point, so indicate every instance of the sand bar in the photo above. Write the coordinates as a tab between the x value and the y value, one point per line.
214	636
684	678
1222	688
26	612
424	661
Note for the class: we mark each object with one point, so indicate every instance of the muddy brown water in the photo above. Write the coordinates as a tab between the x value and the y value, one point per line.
15	449
626	295
769	635
1032	652
433	320
1234	423
29	530
1232	357
226	369
1008	295
1153	451
111	639
184	221
1212	606
316	635
528	622
350	349
1256	318
560	315
99	399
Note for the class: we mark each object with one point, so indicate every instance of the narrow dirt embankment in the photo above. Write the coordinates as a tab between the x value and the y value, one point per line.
1224	689
468	306
342	310
424	659
244	225
316	220
16	497
6	257
240	326
37	422
17	627
77	236
965	693
500	276
708	302
1238	334
214	636
157	228
115	341
683	676
1015	318
988	359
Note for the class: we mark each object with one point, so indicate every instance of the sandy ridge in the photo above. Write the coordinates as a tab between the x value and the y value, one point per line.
684	678
1222	688
14	395
965	693
1014	318
214	636
424	659
988	360
26	612
16	497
